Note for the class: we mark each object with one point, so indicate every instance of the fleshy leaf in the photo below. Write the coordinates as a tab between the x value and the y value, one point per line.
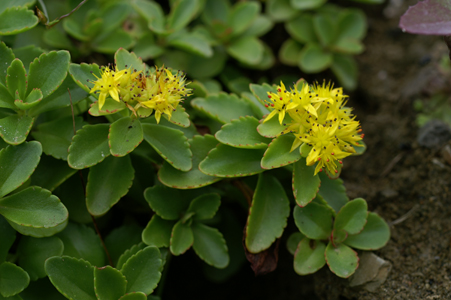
247	49
223	107
34	252
109	283
226	161
293	241
200	146
242	16
333	191
14	129
108	182
352	216
181	238
128	60
122	238
125	135
261	91
258	108
171	144
182	13
306	4
179	117
267	215
48	72
7	236
302	29
17	164
205	206
89	146
309	256
33	99
210	245
191	42
289	52
142	270
345	69
6	100
16	79
109	43
158	232
314	221
342	260
74	278
374	235
14	20
129	253
242	133
13	279
6	57
427	17
166	202
82	75
314	59
305	184
135	296
278	153
272	128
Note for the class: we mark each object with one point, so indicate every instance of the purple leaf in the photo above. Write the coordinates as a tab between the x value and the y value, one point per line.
431	17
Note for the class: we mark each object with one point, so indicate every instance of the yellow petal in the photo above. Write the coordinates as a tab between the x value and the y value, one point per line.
268	117
281	116
114	94
102	100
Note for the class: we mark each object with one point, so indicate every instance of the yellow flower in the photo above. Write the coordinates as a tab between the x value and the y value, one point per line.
280	102
107	84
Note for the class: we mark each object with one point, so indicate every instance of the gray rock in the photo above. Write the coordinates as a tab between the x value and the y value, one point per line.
434	134
371	273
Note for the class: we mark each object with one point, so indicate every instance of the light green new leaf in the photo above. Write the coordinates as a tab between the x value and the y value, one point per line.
17	164
16	79
125	135
13	279
33	99
247	49
157	232
314	221
89	146
14	129
342	260
374	235
128	60
14	20
74	278
210	245
166	202
352	216
242	133
109	283
226	161
305	183
48	71
181	238
171	144
267	215
309	256
205	206
142	270
108	182
33	253
278	153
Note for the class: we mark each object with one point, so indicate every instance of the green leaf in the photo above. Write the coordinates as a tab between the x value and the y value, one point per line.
110	107
242	16
272	128
246	49
333	191
259	27
223	107
352	216
325	29
171	144
6	57
242	133
56	136
179	117
205	206
289	52
89	146
157	232
109	283
17	164
129	253
314	59
48	72
359	150
39	289
33	99
261	91
153	13
309	256
342	260
348	46
314	221
122	238
374	235
125	135
338	236
306	4
14	20
80	241
181	238
210	246
16	79
74	278
166	202
13	279
142	270
128	60
215	11
293	241
278	153
57	39
345	69
83	75
6	100
135	296
14	129
33	253
7	236
280	10
267	215
182	13
108	182
191	42
226	161
50	173
305	184
109	42
200	146
352	24
302	29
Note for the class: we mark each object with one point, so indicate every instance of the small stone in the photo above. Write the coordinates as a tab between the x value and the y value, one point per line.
434	134
371	273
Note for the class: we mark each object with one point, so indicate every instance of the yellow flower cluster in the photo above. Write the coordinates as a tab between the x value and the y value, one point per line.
143	93
319	120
